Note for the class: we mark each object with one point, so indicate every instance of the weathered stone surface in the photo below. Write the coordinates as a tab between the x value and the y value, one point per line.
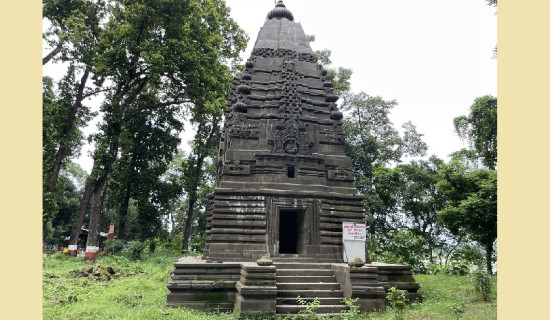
283	168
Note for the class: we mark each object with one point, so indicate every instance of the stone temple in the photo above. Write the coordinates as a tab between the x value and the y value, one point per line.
284	187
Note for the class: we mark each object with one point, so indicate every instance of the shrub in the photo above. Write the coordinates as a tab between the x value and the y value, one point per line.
310	307
353	312
115	246
198	243
458	268
482	283
135	250
152	245
397	300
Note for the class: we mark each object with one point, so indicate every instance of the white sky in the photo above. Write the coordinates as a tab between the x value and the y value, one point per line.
433	56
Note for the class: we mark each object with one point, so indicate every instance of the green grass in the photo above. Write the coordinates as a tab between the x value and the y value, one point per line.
142	295
443	292
138	296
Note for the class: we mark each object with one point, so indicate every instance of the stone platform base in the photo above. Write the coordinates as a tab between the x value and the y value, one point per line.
249	289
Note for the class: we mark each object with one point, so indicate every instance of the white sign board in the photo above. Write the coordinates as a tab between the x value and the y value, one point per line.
354	236
354	231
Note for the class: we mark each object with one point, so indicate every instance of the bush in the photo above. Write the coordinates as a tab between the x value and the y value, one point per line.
397	300
482	283
198	243
152	245
135	250
115	246
458	268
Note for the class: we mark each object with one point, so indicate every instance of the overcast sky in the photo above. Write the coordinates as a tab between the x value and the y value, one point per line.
433	56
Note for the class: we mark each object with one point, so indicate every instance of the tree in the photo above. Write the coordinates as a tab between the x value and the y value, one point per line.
339	77
420	200
479	128
373	143
205	144
75	26
155	55
61	135
146	149
471	204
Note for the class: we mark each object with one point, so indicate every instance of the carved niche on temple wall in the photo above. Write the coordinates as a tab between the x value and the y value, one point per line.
236	168
340	174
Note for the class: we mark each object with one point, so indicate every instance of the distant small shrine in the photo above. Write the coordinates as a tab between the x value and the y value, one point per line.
284	189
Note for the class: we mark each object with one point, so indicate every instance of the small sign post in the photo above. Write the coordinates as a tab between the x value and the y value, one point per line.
354	237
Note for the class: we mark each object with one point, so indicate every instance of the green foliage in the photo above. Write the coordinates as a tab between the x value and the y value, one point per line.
398	246
135	250
471	204
310	306
373	144
152	244
353	312
458	268
483	283
458	308
479	128
198	243
115	246
398	301
340	77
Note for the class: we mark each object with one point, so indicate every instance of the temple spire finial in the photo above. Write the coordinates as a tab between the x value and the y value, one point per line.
280	11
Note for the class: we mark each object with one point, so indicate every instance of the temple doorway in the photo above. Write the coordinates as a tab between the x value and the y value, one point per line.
291	231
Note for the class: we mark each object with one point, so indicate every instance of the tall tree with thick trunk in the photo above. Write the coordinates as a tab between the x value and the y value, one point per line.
73	32
157	55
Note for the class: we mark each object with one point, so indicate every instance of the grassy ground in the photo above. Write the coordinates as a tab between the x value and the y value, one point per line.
140	293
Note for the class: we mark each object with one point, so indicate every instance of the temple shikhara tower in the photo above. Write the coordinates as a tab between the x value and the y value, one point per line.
284	188
285	183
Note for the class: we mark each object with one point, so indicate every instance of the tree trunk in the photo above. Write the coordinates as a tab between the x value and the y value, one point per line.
124	213
62	151
189	220
77	224
95	214
488	257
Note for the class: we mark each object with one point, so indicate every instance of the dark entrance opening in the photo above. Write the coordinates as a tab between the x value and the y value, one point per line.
291	225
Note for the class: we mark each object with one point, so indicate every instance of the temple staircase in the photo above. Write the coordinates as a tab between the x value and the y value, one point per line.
308	281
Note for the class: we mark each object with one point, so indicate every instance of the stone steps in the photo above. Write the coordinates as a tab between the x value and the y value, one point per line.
323	300
301	266
310	293
304	272
323	309
308	281
309	286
